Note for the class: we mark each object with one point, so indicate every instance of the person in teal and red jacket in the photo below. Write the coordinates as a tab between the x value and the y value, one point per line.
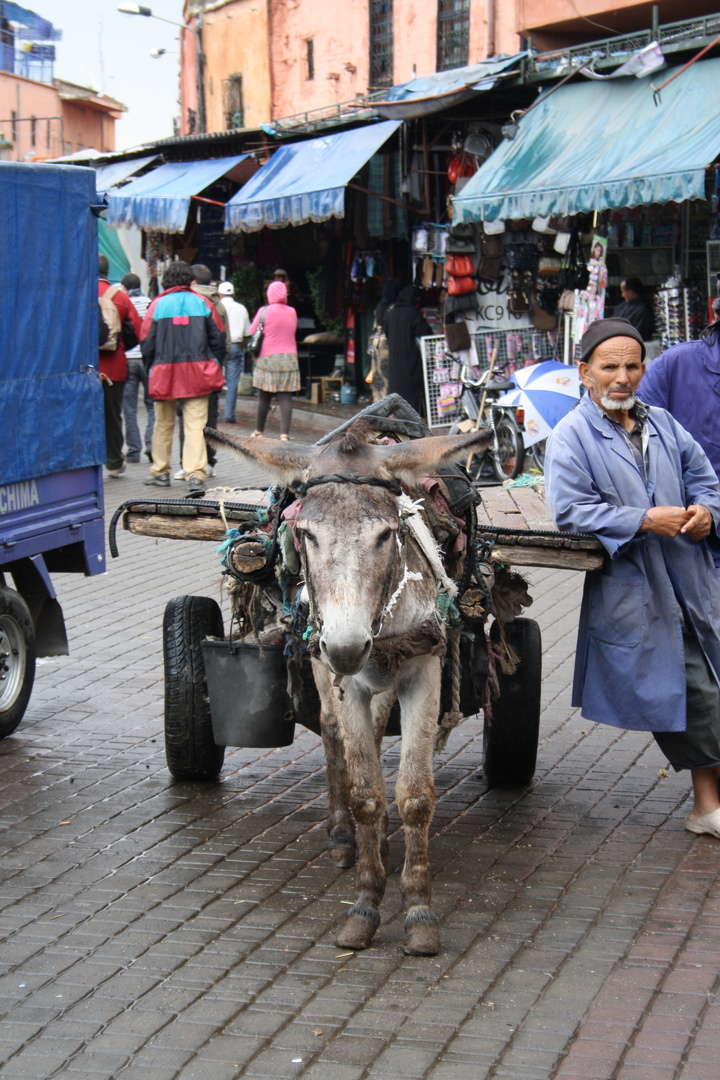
183	346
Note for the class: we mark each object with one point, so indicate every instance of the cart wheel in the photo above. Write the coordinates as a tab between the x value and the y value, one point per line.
511	737
189	744
17	659
509	460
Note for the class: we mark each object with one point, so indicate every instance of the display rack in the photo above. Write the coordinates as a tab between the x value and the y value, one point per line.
441	368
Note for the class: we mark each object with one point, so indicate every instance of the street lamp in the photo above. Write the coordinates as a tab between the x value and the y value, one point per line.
140	9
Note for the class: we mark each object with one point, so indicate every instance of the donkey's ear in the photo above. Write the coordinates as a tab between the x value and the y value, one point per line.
416	457
287	461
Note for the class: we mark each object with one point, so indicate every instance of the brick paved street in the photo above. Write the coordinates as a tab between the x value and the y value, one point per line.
155	930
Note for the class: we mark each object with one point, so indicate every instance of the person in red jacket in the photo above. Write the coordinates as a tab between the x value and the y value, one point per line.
183	345
113	370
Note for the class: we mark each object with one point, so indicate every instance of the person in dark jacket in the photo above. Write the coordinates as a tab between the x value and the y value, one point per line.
635	308
183	345
685	380
404	326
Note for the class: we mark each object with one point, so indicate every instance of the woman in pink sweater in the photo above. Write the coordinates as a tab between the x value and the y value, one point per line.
276	369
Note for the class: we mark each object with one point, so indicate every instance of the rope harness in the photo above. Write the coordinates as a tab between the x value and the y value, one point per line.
411	524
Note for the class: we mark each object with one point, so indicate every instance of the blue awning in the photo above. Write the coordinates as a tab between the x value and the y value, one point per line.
305	181
603	145
109	176
161	199
433	93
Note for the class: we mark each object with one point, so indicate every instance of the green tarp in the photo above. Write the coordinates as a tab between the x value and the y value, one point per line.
109	244
597	145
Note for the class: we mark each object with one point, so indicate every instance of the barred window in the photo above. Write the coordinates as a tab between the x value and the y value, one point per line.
453	33
233	107
310	59
381	43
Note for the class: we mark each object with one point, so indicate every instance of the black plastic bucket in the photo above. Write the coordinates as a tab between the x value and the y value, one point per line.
249	702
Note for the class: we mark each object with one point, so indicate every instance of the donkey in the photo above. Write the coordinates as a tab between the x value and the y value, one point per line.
373	575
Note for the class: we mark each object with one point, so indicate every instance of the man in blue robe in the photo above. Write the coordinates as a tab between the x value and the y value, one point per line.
648	652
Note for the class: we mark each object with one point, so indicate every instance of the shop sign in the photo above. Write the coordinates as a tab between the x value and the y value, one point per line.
493	311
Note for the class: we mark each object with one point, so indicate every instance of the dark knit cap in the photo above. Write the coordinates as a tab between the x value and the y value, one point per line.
602	329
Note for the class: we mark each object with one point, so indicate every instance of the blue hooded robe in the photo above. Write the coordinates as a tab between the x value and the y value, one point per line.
630	659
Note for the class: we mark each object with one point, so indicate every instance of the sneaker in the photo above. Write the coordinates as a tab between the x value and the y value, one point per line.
114	473
158	479
210	470
180	475
148	455
195	484
132	460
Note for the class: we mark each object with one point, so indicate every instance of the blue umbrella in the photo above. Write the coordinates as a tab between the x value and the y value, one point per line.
546	392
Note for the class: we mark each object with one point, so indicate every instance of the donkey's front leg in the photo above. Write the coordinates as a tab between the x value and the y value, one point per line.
368	805
419	695
340	823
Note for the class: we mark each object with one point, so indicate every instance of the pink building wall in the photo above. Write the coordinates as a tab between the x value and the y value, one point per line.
61	127
235	40
340	51
266	40
26	99
188	78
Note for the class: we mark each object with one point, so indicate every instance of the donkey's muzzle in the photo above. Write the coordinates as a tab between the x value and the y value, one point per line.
346	657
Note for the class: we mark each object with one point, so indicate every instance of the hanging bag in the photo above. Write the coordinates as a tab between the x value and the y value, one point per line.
255	343
573	272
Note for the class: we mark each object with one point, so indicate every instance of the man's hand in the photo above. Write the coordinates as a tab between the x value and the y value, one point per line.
665	520
695	522
699	523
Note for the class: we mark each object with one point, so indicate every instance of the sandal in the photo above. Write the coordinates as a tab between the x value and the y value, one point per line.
256	435
284	438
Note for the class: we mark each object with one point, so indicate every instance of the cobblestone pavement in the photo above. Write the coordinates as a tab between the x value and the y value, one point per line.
155	930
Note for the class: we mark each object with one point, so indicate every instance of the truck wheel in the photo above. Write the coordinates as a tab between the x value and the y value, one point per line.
17	659
190	748
511	736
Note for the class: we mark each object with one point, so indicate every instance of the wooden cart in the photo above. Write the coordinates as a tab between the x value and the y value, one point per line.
518	527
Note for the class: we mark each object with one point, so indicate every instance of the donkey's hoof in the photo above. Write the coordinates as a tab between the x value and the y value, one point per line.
359	928
342	855
422	933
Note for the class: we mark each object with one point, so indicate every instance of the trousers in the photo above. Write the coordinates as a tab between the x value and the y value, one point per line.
194	451
136	378
113	398
234	367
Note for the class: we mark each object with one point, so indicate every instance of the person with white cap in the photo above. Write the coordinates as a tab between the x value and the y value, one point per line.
239	321
648	651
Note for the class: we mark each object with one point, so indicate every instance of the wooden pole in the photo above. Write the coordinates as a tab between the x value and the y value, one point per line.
493	358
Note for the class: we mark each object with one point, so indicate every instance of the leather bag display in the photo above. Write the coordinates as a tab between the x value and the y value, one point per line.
460	265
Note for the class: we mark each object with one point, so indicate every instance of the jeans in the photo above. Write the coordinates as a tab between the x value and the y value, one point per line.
234	367
211	421
133	441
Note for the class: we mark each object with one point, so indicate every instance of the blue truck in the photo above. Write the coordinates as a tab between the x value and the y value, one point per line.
52	434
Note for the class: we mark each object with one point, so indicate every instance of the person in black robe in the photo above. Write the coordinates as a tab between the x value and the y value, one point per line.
390	292
404	326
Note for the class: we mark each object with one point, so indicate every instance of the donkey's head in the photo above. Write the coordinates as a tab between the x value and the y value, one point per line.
348	523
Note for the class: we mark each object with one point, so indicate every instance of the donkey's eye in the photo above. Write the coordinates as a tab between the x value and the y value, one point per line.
383	538
305	534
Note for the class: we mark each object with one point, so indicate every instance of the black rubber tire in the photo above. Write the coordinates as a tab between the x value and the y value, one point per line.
17	659
190	748
511	737
510	458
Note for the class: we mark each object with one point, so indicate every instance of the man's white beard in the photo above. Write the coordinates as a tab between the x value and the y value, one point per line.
625	405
